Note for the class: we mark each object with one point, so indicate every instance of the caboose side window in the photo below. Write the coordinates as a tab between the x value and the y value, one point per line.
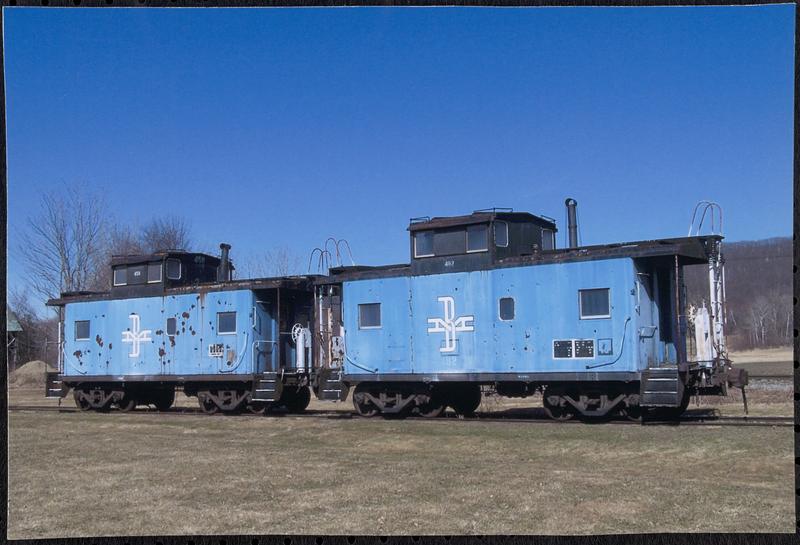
477	238
369	316
594	303
120	276
81	330
423	244
501	234
174	269
226	323
154	272
172	326
506	308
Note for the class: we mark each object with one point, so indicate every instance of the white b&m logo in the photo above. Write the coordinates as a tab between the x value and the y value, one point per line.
450	325
135	336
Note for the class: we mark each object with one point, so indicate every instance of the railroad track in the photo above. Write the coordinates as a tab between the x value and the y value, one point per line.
691	419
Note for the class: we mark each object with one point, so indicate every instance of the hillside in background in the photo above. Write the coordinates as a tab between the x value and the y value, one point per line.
758	279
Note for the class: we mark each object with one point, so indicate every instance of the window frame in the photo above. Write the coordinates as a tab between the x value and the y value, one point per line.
593	316
466	238
89	330
160	272
219	314
494	233
180	269
122	268
418	255
166	328
513	309
380	317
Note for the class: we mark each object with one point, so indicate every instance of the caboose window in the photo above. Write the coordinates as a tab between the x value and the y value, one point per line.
120	276
172	326
154	272
226	323
369	316
137	274
423	244
506	308
548	239
501	234
82	330
477	238
449	242
594	303
174	269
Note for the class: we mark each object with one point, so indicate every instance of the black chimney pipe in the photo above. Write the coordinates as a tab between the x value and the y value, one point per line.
572	222
224	269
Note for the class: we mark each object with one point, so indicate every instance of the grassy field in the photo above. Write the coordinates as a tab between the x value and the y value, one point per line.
765	361
76	474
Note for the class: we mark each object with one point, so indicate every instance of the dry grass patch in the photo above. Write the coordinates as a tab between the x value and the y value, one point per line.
93	474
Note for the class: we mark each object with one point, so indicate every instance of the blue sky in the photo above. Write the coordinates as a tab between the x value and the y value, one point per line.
271	127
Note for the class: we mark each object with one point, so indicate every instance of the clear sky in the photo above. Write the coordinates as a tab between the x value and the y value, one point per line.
271	127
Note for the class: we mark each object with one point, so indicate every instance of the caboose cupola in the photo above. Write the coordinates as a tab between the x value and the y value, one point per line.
455	243
149	274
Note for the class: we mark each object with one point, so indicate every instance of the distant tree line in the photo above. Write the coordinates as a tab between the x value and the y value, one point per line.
758	279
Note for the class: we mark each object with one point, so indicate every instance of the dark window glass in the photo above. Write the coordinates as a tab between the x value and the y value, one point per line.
501	234
173	269
423	244
154	272
82	330
595	303
449	242
506	308
172	326
369	315
226	322
548	240
137	274
120	276
477	238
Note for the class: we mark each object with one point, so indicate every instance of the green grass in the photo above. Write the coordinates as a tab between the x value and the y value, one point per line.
92	474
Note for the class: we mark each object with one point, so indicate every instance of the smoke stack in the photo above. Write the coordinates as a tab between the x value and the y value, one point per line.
224	269
572	222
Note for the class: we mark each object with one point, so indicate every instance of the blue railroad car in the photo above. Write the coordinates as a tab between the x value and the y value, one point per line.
177	319
488	300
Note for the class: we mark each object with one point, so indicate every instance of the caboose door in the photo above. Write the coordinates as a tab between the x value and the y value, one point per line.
647	319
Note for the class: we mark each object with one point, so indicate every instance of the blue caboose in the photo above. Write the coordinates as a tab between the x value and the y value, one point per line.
176	319
488	300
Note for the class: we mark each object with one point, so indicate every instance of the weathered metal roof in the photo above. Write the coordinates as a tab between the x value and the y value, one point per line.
283	282
479	217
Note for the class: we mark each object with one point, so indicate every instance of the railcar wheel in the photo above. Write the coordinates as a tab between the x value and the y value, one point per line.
556	407
466	399
163	399
299	400
207	404
433	408
363	406
257	407
126	404
81	401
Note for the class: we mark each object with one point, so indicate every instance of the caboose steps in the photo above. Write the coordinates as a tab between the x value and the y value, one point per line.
331	387
267	388
661	387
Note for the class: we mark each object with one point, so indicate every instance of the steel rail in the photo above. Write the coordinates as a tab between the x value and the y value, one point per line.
690	419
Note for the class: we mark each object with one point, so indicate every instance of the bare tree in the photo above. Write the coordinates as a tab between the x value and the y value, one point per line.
62	245
280	261
170	233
